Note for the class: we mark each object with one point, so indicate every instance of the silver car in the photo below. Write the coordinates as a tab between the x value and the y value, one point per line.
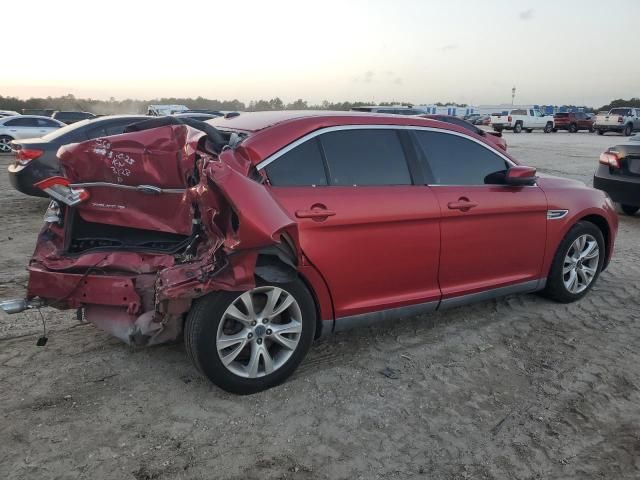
25	126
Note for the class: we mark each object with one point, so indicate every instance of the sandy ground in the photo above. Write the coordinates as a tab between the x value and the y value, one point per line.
518	388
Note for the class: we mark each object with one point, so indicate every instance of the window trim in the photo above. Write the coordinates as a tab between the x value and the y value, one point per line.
274	156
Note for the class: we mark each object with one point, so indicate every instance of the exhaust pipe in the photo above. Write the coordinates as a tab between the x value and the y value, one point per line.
18	305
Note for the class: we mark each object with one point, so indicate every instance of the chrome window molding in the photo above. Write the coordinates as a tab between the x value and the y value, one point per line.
274	156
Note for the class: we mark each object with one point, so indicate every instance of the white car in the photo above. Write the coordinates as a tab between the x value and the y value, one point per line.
24	126
625	120
522	119
8	113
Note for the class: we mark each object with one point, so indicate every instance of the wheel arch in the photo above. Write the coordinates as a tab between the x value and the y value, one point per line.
603	225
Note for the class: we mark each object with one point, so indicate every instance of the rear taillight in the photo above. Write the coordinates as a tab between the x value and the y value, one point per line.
611	159
25	155
509	118
59	188
620	119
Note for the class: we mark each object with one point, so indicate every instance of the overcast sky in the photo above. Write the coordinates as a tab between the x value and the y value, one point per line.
580	52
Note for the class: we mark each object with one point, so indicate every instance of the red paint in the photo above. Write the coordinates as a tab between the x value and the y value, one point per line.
358	249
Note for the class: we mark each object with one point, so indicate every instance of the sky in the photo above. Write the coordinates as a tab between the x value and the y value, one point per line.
554	52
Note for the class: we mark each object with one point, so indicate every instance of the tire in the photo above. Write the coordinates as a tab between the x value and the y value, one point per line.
591	129
628	130
517	128
4	143
548	128
629	209
556	288
600	132
204	329
573	128
554	130
499	130
529	130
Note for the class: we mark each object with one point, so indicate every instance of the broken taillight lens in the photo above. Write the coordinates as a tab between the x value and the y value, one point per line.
60	189
25	155
611	159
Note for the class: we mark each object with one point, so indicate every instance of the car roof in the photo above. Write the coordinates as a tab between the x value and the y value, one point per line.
4	119
268	132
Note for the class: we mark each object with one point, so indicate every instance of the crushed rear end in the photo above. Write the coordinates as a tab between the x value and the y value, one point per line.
143	223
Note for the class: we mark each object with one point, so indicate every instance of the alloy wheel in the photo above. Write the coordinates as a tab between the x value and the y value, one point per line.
259	332
580	263
4	145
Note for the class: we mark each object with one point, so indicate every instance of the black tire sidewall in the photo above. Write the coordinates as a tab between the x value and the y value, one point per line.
517	128
202	327
555	287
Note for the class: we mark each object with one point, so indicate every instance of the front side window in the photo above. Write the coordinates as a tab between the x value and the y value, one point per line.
22	122
455	160
301	166
365	157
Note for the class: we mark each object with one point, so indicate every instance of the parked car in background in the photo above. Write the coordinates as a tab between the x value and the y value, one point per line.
472	117
69	117
572	122
493	137
43	112
395	110
483	120
618	174
8	113
35	158
163	110
203	117
519	119
267	208
217	113
24	126
624	120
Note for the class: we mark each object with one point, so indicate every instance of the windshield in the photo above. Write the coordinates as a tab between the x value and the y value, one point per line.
619	111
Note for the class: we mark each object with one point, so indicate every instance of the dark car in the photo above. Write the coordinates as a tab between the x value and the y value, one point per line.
71	117
35	158
492	137
619	175
572	121
215	113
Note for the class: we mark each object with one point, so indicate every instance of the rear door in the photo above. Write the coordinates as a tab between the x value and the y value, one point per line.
363	220
23	128
47	126
492	235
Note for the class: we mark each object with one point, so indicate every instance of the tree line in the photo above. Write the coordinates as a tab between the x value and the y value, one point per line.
113	106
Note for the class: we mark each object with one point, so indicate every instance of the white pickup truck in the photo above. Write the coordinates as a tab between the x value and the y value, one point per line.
623	119
522	119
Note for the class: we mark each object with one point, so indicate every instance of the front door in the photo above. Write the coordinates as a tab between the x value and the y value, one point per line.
369	230
493	235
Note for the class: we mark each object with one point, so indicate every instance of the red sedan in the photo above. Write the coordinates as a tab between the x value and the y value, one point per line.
255	234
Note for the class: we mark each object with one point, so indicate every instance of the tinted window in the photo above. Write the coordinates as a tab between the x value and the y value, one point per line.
365	157
301	166
43	122
22	122
108	128
518	112
455	160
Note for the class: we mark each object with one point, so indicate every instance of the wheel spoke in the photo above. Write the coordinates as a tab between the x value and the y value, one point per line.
231	356
247	300
583	281
570	284
592	252
589	271
227	341
272	299
268	361
234	313
254	362
286	303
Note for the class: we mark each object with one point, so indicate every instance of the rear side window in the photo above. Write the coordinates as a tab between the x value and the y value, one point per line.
301	166
43	122
365	157
454	160
519	112
22	122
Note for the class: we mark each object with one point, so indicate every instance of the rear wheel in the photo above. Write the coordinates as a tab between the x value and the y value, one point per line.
573	128
5	140
576	264
629	209
246	342
628	129
517	127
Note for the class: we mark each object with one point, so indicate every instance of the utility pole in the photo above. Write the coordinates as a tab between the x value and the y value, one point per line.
513	95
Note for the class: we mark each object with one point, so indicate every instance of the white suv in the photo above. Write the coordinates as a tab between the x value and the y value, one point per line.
522	119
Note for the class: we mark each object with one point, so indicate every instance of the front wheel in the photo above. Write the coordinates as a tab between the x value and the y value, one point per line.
629	209
548	128
576	264
517	128
246	342
573	128
5	141
628	129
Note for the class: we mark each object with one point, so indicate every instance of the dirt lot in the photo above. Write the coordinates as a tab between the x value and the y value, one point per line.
518	388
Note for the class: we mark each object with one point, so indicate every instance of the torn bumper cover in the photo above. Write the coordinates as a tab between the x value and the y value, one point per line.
141	296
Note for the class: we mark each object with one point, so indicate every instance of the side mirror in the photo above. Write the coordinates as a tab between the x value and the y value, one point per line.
521	176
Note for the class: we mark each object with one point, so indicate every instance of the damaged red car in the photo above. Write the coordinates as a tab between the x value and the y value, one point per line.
253	235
